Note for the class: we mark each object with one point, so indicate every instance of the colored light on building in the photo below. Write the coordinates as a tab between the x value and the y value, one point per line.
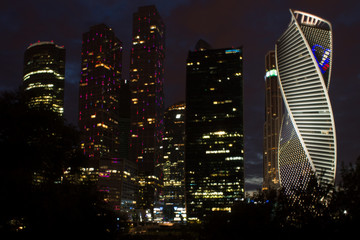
273	117
147	102
324	59
307	144
271	73
104	106
229	51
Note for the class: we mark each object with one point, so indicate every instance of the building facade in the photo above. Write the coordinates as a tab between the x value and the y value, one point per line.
174	163
44	76
102	110
307	140
273	118
147	103
214	146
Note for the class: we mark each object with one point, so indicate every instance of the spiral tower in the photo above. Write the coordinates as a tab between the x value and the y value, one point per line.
307	144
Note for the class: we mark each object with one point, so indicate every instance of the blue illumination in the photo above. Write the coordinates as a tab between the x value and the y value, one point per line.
324	64
232	51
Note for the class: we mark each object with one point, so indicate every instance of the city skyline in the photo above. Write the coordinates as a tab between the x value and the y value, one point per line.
345	75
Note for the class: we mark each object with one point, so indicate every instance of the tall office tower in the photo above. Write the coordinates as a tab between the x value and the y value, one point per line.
307	140
273	118
44	76
147	102
174	163
100	109
214	147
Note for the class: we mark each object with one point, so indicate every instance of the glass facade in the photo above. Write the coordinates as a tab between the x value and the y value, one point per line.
104	110
147	103
273	118
214	148
44	76
308	141
174	163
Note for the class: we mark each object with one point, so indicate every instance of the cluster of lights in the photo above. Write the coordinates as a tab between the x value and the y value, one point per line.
222	102
28	75
271	73
223	209
40	85
325	58
217	151
230	51
108	173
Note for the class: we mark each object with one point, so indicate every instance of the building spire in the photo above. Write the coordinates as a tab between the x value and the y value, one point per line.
202	45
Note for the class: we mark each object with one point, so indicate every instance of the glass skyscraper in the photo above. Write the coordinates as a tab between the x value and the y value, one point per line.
102	110
44	76
307	139
273	118
174	163
147	103
214	146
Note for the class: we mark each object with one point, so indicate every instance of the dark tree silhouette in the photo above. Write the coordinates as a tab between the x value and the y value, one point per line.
345	205
36	147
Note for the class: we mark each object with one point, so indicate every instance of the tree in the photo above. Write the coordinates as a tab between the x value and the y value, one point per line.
36	147
346	201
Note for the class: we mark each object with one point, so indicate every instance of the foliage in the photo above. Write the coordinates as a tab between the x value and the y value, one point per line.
316	210
36	147
345	204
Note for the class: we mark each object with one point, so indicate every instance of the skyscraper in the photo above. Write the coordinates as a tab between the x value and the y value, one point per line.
100	109
273	118
44	76
147	102
214	146
174	163
307	140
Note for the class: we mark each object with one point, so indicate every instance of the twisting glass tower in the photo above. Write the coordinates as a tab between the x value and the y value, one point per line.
307	138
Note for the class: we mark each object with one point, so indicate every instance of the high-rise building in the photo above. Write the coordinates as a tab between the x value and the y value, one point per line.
129	185
147	102
214	146
44	76
273	118
102	110
307	140
174	163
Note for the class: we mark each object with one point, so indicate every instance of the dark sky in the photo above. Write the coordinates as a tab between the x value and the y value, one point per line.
254	24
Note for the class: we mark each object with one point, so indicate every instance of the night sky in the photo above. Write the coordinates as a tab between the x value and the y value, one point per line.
255	25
